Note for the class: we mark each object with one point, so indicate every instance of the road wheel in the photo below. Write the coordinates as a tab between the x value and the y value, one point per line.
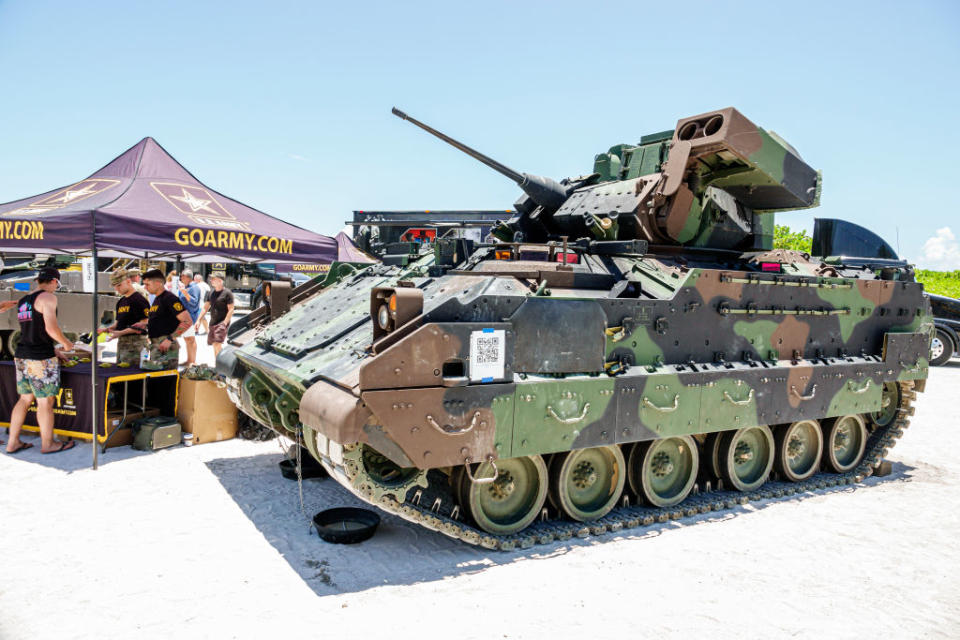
460	483
663	471
844	441
711	456
512	500
889	403
799	447
586	484
941	348
310	441
746	457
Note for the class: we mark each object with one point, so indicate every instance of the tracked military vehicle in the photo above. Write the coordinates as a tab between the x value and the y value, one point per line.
632	350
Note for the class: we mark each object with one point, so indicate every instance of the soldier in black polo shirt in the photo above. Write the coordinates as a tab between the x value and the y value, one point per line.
167	320
131	309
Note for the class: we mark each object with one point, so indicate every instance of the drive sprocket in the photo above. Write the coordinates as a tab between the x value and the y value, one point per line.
374	476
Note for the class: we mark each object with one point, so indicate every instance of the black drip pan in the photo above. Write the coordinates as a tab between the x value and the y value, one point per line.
346	525
309	467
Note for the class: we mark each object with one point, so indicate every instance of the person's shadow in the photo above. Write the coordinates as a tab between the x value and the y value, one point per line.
77	458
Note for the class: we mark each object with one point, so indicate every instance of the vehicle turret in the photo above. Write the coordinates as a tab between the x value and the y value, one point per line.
711	182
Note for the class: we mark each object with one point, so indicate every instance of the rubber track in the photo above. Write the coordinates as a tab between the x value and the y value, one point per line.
431	508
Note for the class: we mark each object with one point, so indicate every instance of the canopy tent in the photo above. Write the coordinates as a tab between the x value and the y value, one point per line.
145	204
347	251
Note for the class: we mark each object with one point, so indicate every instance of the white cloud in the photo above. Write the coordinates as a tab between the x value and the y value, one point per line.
941	251
294	156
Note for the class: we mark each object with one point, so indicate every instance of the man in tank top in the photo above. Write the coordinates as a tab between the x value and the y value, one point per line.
37	363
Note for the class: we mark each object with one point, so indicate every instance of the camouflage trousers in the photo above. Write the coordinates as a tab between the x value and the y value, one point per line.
168	359
128	348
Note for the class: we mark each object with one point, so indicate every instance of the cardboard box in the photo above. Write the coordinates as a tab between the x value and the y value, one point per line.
205	410
124	435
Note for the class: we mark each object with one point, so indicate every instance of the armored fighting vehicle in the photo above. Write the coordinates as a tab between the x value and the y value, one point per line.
632	350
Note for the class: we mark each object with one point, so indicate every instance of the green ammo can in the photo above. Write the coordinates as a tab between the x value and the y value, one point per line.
155	433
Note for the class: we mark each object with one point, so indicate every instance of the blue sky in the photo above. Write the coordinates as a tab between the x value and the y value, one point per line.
286	106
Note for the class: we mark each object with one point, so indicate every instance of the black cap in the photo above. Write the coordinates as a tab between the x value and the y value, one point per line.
48	273
153	274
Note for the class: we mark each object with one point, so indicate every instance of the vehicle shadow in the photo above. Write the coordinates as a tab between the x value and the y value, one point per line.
401	552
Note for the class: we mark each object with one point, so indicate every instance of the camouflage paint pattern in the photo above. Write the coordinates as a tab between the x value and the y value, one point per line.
755	167
619	348
682	365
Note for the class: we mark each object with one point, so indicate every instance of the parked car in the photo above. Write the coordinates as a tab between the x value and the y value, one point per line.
946	317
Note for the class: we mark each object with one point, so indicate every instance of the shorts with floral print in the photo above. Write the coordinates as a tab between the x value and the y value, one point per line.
38	377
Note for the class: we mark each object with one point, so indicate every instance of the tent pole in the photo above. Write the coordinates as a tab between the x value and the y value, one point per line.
93	344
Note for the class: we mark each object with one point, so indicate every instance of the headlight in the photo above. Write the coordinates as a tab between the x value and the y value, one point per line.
393	307
383	317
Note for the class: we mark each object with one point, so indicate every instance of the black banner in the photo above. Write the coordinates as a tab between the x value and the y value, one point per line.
72	405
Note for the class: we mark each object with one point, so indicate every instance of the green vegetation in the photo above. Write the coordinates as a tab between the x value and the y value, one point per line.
784	238
944	283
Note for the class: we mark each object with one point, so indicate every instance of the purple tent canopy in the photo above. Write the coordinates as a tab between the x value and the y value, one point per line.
146	204
348	251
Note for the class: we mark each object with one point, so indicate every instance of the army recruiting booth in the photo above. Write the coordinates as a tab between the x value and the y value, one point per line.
143	205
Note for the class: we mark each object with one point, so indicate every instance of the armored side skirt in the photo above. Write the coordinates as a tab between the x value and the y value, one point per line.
436	427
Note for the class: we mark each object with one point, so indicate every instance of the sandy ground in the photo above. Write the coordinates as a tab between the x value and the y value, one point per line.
210	542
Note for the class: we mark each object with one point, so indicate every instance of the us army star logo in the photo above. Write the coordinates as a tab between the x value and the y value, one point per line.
198	204
74	193
195	203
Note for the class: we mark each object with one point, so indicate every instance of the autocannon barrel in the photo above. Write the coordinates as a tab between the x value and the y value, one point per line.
544	191
473	153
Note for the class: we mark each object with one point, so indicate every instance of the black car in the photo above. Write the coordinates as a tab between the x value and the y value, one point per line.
946	317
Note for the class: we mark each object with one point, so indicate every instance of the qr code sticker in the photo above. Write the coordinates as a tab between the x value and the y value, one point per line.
487	350
487	355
